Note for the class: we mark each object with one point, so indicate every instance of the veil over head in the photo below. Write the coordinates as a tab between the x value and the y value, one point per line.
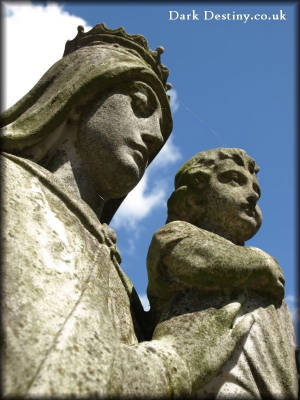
93	63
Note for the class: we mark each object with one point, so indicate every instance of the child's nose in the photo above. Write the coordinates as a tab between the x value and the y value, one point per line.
253	197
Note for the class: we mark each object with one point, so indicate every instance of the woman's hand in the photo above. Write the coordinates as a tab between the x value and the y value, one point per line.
205	339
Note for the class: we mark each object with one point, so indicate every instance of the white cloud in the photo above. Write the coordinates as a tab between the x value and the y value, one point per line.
131	245
145	302
34	39
293	304
140	201
173	100
138	204
169	154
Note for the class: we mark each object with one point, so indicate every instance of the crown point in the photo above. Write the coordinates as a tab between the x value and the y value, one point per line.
100	33
160	50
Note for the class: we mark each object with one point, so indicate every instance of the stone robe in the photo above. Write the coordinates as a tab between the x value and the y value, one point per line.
68	309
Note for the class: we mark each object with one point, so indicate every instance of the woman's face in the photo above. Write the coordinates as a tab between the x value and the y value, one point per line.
117	138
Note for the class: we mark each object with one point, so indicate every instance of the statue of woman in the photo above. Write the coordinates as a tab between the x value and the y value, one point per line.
74	147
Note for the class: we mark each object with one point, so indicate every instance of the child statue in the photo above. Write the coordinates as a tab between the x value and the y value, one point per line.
197	263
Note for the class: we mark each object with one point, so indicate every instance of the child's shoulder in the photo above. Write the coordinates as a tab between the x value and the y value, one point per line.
175	231
178	226
170	234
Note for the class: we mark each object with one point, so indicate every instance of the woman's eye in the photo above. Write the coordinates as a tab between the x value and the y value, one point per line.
141	105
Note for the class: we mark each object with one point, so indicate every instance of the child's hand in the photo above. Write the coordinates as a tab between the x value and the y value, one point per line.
270	278
276	280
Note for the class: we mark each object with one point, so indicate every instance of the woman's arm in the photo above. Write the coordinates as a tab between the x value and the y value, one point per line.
182	357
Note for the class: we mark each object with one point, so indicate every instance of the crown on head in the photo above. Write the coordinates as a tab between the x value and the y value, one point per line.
134	43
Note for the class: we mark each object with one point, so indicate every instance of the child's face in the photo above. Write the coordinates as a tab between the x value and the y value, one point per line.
231	208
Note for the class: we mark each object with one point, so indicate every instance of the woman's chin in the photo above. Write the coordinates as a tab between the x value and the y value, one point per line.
126	182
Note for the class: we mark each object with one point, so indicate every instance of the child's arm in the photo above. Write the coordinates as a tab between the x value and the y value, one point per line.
189	257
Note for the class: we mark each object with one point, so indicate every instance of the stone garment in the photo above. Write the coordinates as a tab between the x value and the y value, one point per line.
263	365
68	309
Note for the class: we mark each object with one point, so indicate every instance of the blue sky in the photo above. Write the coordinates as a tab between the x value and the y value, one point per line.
233	86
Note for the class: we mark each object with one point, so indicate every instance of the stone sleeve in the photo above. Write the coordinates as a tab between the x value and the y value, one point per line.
149	367
184	256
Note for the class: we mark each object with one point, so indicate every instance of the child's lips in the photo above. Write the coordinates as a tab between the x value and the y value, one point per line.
249	209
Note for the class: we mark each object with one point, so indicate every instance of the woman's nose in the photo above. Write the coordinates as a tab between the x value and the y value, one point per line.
153	137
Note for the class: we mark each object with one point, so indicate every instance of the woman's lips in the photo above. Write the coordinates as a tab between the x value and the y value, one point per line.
140	154
142	150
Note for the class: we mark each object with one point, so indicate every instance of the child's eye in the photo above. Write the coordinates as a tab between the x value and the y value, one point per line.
235	177
141	105
232	177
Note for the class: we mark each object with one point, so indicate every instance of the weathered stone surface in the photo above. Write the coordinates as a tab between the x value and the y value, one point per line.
60	273
67	307
75	145
197	264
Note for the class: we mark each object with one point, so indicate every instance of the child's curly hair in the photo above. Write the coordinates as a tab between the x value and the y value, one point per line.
194	175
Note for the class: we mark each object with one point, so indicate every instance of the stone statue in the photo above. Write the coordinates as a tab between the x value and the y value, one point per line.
198	263
74	147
